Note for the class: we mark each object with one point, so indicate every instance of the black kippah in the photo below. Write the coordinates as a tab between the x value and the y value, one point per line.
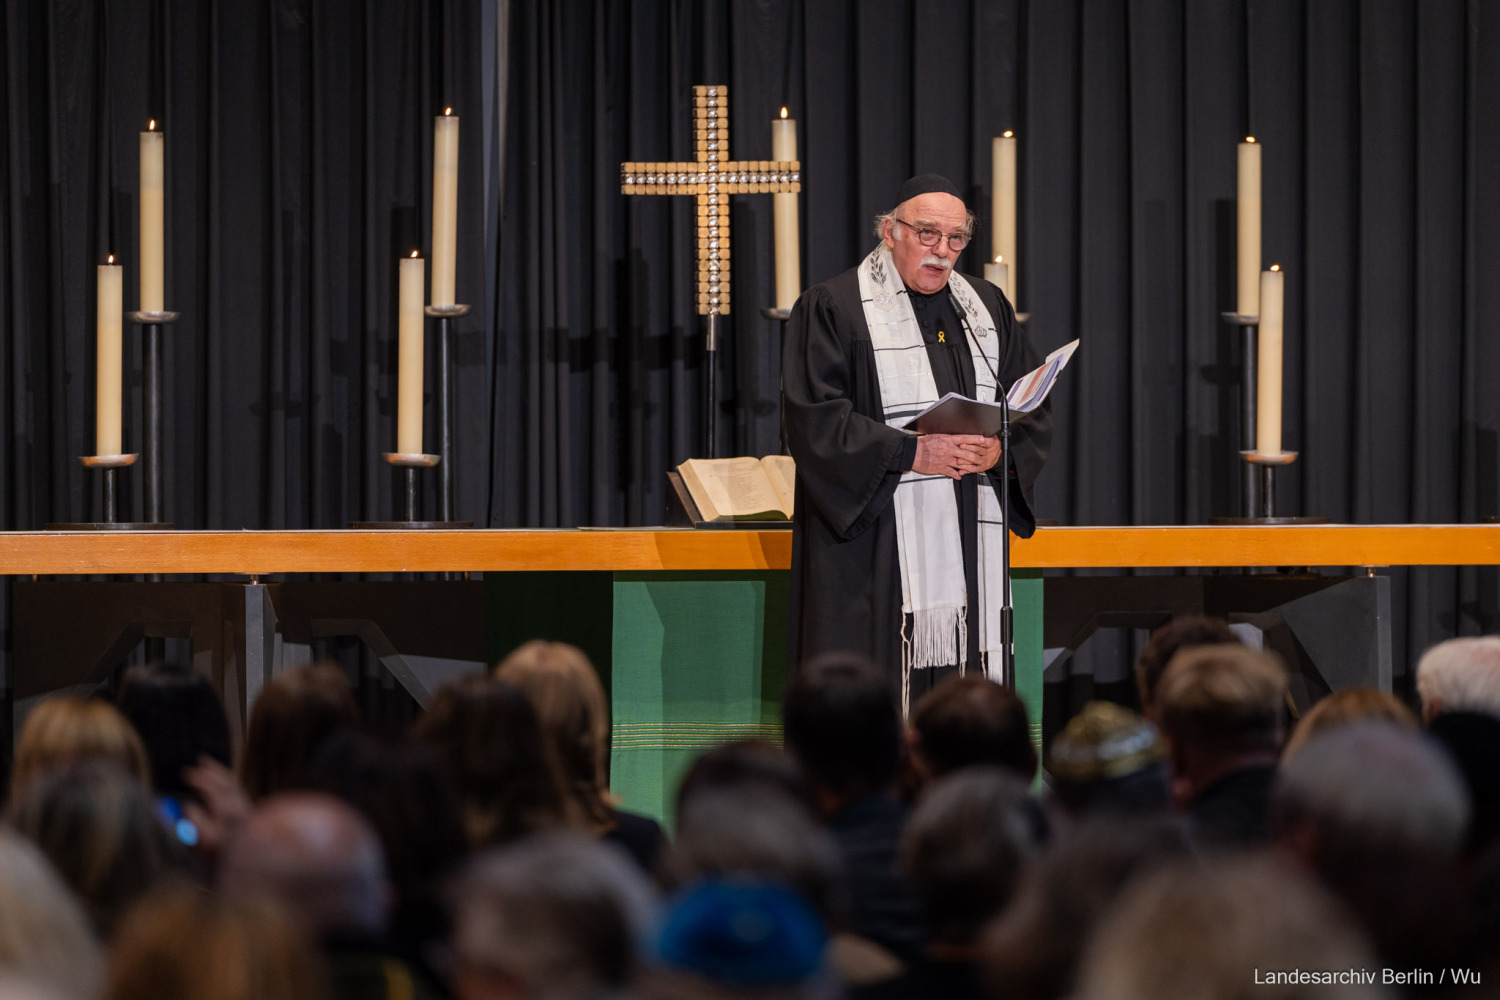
926	184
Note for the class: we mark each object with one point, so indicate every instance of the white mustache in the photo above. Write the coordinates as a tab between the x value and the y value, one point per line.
932	260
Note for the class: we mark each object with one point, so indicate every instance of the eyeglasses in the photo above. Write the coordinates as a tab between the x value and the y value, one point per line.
930	237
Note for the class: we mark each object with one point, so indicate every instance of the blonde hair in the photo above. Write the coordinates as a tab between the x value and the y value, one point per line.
66	730
1198	931
185	944
1345	707
574	715
1222	695
44	934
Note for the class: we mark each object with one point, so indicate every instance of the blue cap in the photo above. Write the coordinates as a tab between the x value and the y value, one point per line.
738	933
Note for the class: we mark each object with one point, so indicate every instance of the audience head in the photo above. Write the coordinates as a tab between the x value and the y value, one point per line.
294	714
64	730
406	795
841	723
967	720
1379	813
574	714
1460	675
1032	951
554	914
1346	707
1367	796
749	765
179	718
1472	740
45	936
318	856
186	945
1219	704
756	833
1107	759
486	733
1205	931
1182	632
964	849
100	829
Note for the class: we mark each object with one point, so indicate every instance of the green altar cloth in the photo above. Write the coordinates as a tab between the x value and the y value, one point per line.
693	659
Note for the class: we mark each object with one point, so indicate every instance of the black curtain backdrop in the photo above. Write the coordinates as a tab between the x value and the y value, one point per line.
299	140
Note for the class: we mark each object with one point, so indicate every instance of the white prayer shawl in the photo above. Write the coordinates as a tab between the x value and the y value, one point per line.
928	541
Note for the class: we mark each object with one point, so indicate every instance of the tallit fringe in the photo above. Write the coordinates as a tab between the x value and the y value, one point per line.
935	637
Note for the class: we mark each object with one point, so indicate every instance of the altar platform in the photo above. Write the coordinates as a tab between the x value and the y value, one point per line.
687	627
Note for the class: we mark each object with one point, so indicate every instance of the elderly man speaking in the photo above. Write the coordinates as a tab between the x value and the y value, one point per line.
896	550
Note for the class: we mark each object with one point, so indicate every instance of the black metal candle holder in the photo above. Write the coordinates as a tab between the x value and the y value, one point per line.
407	466
151	323
445	316
1251	493
109	467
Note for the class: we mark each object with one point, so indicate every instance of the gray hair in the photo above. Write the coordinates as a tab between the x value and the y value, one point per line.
1461	675
970	221
760	833
45	937
965	847
1373	791
559	910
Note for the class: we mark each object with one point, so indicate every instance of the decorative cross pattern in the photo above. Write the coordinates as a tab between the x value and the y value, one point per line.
712	178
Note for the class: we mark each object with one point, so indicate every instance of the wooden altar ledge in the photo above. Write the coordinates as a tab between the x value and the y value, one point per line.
263	553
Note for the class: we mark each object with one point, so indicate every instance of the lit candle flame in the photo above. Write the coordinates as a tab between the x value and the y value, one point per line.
413	253
1008	134
1249	138
447	112
151	125
1275	267
783	112
110	259
999	259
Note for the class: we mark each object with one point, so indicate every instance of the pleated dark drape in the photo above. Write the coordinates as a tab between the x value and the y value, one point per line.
299	154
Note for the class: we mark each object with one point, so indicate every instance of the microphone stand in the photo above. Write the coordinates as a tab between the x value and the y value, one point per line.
1007	634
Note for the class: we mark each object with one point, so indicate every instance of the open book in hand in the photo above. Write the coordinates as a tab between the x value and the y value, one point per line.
958	414
741	489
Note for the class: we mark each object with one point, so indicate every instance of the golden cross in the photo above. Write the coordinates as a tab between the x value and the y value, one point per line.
712	178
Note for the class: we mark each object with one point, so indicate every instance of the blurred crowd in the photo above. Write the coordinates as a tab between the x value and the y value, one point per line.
1218	843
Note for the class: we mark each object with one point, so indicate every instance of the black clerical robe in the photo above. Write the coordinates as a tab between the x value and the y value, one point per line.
845	593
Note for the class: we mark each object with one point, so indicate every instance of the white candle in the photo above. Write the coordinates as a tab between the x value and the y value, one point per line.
1247	297
409	356
784	216
996	272
444	207
152	239
1003	228
1268	386
109	318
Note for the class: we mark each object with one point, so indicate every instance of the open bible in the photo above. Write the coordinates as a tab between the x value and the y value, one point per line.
956	413
741	489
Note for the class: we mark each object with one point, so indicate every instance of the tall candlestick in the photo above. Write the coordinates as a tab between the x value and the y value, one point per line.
444	207
784	216
1268	395
109	318
409	355
1247	298
996	272
153	188
1003	229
